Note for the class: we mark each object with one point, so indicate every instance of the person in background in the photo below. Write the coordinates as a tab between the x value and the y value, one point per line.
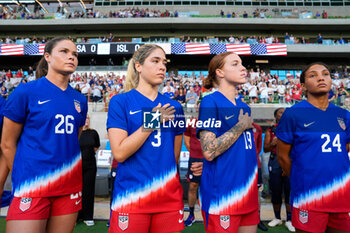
257	131
278	181
89	143
193	145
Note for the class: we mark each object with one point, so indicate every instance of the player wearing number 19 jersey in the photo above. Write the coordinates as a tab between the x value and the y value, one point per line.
229	183
228	191
48	153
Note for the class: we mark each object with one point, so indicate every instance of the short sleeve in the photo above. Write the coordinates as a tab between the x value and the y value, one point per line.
116	114
84	111
207	111
286	127
16	106
347	127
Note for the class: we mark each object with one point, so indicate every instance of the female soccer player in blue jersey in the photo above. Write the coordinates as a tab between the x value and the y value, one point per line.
228	190
42	122
313	146
147	192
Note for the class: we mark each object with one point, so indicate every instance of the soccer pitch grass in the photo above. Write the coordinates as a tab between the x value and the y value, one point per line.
100	227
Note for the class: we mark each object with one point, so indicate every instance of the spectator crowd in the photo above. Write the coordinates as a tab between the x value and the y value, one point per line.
186	88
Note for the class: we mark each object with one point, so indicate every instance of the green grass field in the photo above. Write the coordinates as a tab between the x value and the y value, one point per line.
100	227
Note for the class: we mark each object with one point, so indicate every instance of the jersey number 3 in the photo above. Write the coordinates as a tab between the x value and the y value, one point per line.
64	125
335	143
158	140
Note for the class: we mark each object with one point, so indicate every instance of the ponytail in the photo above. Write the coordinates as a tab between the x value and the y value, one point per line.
208	82
41	68
217	62
132	76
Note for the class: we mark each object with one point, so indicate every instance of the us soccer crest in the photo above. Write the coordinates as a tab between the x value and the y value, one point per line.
225	221
303	216
77	106
123	222
341	123
25	203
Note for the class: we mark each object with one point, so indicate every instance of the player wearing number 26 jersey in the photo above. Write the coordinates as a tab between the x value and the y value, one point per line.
48	153
320	173
147	182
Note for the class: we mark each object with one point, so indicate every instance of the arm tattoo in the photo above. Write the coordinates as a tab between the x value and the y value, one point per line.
214	146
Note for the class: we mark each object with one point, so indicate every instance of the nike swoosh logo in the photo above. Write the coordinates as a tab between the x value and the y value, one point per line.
132	113
228	117
181	213
43	102
307	125
77	202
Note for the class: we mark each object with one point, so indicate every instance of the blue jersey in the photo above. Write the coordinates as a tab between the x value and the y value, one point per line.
229	182
320	173
146	182
47	161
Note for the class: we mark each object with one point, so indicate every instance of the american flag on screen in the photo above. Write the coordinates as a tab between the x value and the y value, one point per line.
269	49
34	49
11	49
240	49
190	48
217	48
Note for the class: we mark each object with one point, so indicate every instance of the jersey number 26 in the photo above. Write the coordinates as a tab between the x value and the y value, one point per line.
65	124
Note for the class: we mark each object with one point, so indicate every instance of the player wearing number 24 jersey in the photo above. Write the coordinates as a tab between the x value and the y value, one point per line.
313	146
48	153
320	175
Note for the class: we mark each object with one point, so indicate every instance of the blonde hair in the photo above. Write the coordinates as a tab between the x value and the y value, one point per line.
132	76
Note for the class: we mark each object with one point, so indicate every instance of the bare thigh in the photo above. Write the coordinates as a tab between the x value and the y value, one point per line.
62	223
248	229
26	226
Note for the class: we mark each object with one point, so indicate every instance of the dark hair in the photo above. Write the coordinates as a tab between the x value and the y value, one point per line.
217	62
302	76
42	67
276	111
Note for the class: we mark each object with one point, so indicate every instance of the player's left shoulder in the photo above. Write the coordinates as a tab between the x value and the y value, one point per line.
77	96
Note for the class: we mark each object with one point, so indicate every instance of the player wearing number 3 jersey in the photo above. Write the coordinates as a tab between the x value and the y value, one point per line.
228	191
313	145
42	124
147	193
